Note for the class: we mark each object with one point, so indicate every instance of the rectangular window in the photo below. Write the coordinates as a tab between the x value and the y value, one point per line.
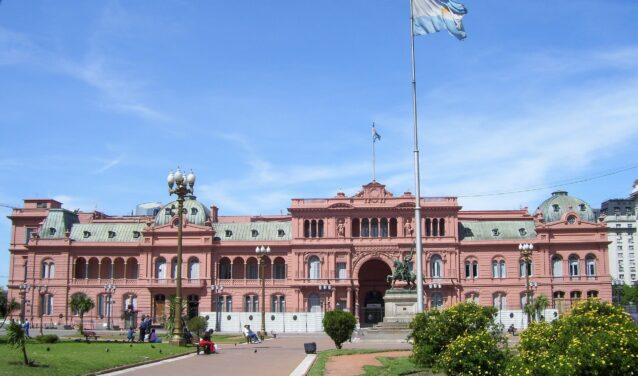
475	269
41	205
29	233
341	270
468	270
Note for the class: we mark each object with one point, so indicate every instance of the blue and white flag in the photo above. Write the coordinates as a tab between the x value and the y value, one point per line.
431	16
375	135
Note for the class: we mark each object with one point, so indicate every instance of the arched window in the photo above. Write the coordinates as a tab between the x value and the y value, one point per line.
313	267
525	269
472	297
306	228
384	227
590	263
225	268
435	227
80	268
320	228
132	268
441	227
278	303
471	269
428	227
174	268
592	294
436	267
500	300
374	228
365	228
574	270
575	295
252	268
314	303
498	269
48	269
160	268
193	268
313	228
355	227
280	268
393	227
436	300
557	266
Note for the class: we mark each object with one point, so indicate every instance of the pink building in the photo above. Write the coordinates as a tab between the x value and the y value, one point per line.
348	243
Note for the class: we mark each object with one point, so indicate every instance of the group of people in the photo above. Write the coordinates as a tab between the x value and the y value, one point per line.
147	333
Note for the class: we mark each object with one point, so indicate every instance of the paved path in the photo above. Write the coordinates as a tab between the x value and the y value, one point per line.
274	357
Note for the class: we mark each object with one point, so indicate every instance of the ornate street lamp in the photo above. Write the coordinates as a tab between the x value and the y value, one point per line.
42	291
526	250
261	252
216	290
24	288
181	186
325	291
109	289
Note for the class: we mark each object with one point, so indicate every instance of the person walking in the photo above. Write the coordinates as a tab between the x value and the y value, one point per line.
142	328
26	326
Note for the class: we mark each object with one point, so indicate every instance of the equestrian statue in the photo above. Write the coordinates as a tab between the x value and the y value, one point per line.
403	271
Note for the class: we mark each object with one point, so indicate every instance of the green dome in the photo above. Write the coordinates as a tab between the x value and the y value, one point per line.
560	203
195	212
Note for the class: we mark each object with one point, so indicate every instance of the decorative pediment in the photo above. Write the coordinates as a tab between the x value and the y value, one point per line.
374	193
409	204
340	205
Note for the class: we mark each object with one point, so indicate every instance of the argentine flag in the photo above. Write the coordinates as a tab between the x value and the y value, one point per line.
431	16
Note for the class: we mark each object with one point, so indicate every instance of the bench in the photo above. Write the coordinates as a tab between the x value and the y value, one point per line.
88	333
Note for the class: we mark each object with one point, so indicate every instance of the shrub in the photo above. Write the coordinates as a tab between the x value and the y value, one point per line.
434	330
474	354
596	338
197	324
47	338
339	325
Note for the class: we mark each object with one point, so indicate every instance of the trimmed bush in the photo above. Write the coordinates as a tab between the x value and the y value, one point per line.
434	330
197	324
474	354
339	325
595	338
47	338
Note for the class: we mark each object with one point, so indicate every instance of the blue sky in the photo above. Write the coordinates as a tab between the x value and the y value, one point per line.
267	101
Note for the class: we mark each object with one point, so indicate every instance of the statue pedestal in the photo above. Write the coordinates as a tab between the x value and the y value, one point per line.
400	306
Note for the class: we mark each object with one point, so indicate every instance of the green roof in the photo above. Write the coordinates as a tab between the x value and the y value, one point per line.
257	231
554	207
57	222
496	230
196	212
108	232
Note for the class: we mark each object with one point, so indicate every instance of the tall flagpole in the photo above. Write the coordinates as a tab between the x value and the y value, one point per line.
417	178
374	168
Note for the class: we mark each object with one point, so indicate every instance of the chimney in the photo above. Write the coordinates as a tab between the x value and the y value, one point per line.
214	214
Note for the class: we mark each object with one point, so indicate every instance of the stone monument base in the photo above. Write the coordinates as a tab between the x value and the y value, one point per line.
400	306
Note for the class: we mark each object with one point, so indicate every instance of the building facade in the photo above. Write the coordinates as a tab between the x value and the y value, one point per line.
347	243
621	219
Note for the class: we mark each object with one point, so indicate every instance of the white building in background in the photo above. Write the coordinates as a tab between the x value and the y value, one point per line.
620	217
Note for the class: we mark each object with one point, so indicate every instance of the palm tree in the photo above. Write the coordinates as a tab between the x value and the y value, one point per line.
11	306
540	304
17	338
81	304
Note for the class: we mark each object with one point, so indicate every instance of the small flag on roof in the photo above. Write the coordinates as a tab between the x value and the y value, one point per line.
375	135
431	16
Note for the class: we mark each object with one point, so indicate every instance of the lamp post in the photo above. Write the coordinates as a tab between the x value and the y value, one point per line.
216	290
261	252
109	289
24	288
181	186
42	291
526	250
325	291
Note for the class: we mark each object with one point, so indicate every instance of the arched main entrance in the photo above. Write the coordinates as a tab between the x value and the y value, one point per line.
372	286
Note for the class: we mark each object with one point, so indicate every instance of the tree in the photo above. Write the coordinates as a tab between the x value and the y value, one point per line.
473	354
595	338
170	322
17	338
197	324
81	304
10	307
339	325
434	330
629	295
535	308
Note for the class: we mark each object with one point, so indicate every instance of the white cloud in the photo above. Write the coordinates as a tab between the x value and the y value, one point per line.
108	165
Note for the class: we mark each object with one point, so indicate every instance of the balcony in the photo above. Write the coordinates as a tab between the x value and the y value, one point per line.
196	283
251	282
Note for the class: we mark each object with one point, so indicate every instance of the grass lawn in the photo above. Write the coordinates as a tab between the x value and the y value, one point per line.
76	358
318	368
396	366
